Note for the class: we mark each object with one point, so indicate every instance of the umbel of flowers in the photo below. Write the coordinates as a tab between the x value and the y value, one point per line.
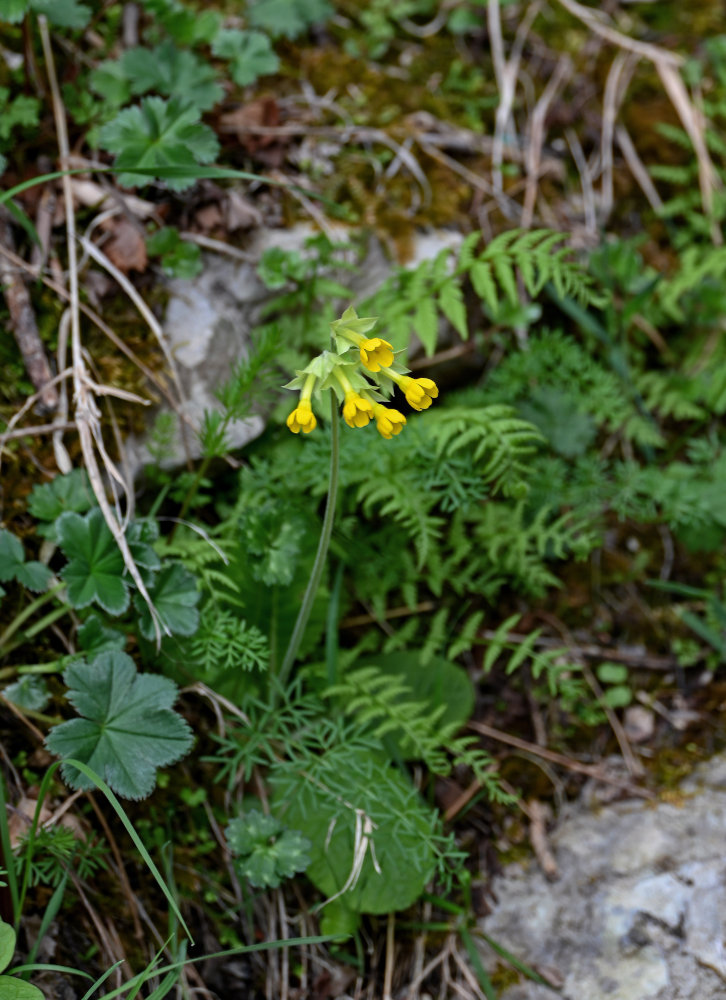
362	372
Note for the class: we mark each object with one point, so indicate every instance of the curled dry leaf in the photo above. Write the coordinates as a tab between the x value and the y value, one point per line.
126	247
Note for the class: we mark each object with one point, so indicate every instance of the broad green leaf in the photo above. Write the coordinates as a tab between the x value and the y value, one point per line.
267	852
438	681
69	492
14	11
63	13
129	729
16	989
7	944
95	567
288	17
33	575
612	673
30	692
321	798
175	597
172	72
249	54
158	133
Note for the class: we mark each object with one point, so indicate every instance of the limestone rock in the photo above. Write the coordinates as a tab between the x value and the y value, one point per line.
639	912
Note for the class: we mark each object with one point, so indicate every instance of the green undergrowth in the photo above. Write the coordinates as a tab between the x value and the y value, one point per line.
276	674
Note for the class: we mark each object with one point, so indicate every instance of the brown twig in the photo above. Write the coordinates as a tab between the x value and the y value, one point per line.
590	770
25	329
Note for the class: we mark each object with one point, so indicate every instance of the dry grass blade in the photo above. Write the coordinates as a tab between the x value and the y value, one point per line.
621	71
87	414
668	66
560	74
506	72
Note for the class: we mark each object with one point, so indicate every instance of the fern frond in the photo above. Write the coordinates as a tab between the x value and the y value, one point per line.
493	435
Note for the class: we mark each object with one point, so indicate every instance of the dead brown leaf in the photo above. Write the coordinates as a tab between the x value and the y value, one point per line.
126	246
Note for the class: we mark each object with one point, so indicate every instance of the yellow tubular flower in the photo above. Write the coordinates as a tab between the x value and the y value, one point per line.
357	411
388	422
302	417
419	392
375	353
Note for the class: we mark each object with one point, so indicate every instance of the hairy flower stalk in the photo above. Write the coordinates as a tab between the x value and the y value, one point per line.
320	556
302	417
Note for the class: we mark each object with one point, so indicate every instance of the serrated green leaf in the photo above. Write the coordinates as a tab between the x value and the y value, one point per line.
33	575
451	302
12	554
14	11
109	81
172	72
95	567
7	944
268	852
68	492
94	637
129	729
288	17
249	54
30	692
63	13
175	597
21	110
179	259
158	133
16	989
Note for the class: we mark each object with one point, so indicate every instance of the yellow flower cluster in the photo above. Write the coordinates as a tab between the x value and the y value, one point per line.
361	404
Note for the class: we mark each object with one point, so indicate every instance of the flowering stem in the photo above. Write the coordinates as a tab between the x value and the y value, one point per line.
317	570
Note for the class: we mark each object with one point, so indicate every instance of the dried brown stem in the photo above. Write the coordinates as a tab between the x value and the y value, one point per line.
25	329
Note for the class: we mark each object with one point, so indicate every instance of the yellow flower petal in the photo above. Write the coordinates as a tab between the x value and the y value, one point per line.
376	353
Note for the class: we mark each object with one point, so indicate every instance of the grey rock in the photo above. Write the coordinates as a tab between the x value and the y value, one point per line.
639	911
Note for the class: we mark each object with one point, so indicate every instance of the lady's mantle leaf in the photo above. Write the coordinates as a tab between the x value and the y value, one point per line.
95	564
249	53
129	729
175	597
48	501
268	852
33	575
159	133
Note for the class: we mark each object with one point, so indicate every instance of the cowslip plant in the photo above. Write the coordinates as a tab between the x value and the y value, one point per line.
362	381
